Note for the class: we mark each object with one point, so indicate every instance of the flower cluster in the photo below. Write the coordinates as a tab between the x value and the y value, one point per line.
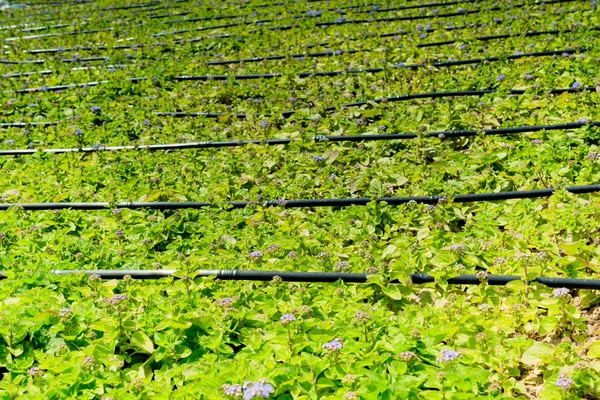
561	292
449	355
249	390
334	345
362	316
225	302
564	383
116	299
256	254
65	313
287	319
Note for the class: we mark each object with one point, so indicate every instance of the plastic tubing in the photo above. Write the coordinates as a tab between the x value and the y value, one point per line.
305	203
327	277
273	142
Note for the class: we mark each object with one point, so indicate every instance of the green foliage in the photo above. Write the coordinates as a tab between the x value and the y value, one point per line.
77	337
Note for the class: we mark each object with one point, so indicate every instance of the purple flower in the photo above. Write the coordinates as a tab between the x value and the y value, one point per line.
338	52
287	319
449	355
89	361
35	371
528	76
65	313
458	247
146	122
359	121
422	35
226	302
78	132
116	299
565	54
119	233
537	141
342	266
10	142
462	46
583	120
576	85
234	390
292	254
334	345
561	292
95	109
255	390
318	158
594	4
350	396
292	99
256	254
501	77
362	316
564	382
264	124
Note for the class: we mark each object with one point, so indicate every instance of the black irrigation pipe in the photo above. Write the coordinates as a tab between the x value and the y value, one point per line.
283	57
36	28
316	139
433	16
88	48
71	86
26	124
305	203
435	64
206	28
493	59
375	8
406	97
324	277
275	28
56	34
504	36
49	71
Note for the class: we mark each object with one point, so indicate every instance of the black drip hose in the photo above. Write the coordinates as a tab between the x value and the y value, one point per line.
434	95
317	139
305	203
327	277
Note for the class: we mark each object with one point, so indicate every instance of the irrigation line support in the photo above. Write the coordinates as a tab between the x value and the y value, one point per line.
325	277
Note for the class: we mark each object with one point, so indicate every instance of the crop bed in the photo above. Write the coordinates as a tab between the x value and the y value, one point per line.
304	99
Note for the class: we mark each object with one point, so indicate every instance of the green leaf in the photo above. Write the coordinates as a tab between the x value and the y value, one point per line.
140	340
594	350
537	354
389	251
